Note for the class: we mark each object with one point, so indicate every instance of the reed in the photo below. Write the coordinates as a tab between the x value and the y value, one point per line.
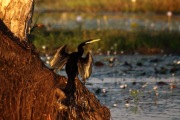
145	42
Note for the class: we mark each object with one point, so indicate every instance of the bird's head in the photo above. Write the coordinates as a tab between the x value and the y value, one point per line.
80	47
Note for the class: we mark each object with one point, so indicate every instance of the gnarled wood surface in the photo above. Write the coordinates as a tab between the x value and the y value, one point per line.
29	90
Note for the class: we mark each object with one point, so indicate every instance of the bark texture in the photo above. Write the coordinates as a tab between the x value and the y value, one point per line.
28	89
31	91
17	15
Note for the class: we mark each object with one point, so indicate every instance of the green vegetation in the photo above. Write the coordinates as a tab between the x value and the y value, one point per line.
138	40
156	6
144	42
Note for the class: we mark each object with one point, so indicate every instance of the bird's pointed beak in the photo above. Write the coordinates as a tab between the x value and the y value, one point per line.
93	40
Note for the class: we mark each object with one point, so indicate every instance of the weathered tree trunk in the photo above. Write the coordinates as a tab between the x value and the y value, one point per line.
17	15
28	89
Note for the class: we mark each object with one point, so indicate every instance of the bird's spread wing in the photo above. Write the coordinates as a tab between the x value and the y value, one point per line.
85	66
60	58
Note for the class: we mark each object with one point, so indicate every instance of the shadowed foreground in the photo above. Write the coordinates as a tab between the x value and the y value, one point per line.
29	90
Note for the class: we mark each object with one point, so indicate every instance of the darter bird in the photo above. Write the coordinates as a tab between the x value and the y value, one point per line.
75	63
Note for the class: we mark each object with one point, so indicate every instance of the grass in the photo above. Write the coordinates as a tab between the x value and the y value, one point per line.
156	6
144	42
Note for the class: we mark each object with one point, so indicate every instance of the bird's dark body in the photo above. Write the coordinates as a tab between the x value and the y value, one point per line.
75	64
71	65
72	69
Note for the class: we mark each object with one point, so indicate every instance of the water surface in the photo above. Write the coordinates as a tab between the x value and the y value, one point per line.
136	87
156	87
110	21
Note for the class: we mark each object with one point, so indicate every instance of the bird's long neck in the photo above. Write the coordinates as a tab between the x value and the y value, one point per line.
80	49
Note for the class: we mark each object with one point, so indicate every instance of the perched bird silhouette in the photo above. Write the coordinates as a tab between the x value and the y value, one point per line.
75	63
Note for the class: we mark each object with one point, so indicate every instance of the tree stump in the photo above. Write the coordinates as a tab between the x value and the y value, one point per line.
28	89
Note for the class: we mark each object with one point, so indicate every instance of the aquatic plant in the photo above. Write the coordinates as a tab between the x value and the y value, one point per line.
135	94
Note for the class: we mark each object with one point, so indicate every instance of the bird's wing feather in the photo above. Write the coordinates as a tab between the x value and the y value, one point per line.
85	66
60	58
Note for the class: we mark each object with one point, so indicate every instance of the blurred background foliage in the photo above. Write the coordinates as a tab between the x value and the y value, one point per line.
156	6
125	26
